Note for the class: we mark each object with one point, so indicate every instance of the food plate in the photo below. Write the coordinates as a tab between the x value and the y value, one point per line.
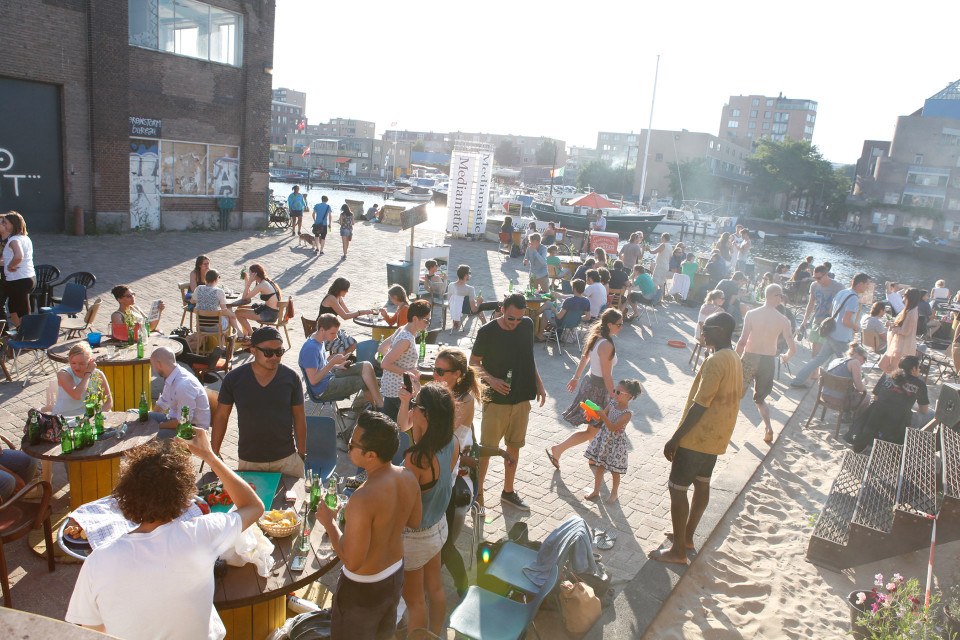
72	533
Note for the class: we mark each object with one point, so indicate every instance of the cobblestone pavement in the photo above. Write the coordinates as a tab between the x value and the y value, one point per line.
154	264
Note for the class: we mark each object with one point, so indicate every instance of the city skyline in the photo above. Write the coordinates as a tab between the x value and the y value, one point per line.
516	68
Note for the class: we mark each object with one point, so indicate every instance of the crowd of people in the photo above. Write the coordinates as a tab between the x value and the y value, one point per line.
402	520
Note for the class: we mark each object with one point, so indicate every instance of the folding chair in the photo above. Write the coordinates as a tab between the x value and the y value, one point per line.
321	446
40	332
569	322
841	397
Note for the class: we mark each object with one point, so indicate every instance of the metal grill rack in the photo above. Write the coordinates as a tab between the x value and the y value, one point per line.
917	490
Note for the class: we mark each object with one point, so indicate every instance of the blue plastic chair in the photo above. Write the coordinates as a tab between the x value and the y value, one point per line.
321	446
343	431
506	570
487	616
74	297
46	328
569	321
366	351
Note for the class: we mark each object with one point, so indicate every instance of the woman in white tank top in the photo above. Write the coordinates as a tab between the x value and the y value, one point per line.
74	381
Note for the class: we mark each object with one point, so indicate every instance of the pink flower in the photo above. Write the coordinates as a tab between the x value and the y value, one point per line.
891	586
897	578
861	597
878	579
874	607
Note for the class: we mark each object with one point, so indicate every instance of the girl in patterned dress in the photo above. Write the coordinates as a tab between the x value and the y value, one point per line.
608	449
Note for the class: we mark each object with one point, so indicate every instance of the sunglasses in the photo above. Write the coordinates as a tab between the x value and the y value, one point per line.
512	318
271	353
440	371
353	445
621	392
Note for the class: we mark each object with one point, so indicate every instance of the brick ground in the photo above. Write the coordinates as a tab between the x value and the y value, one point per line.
154	264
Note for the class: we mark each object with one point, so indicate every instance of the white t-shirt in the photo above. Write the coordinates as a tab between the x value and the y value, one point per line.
596	293
158	584
25	268
896	301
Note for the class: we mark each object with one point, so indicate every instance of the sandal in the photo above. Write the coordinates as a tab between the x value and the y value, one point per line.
553	460
603	541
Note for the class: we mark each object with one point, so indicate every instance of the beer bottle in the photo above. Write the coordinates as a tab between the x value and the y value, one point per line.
86	434
33	432
144	407
141	341
98	424
66	440
307	527
331	497
185	428
316	490
509	378
423	345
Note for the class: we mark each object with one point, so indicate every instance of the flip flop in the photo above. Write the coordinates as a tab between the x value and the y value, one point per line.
602	541
553	460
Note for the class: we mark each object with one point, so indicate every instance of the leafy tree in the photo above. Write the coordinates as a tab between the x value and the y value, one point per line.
692	180
419	146
506	154
547	152
598	176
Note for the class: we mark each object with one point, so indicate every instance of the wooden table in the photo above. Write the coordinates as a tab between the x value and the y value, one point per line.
127	375
425	366
571	263
93	472
534	304
379	329
252	606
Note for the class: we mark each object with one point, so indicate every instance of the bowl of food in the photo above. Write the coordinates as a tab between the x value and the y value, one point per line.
74	533
279	523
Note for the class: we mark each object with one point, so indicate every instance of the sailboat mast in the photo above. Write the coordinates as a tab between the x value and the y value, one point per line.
646	146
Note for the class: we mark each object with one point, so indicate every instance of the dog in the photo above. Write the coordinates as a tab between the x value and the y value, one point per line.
310	240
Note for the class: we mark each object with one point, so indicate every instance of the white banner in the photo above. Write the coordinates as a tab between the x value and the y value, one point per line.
460	195
484	173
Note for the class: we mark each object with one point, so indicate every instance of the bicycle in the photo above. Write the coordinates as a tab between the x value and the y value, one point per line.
279	217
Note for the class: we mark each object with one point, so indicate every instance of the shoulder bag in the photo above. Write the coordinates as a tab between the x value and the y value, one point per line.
829	324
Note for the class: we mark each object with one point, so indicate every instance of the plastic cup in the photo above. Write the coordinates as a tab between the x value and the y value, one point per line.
93	338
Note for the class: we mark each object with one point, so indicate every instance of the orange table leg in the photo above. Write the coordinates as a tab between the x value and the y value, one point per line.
127	382
254	622
91	480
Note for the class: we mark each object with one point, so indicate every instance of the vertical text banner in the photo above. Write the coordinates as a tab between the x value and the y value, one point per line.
484	173
460	196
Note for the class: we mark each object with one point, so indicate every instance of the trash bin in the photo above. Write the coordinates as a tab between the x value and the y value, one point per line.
399	272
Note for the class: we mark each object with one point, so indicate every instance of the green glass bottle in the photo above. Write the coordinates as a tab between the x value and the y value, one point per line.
86	434
331	497
185	428
141	341
144	407
316	490
98	424
66	440
423	345
33	432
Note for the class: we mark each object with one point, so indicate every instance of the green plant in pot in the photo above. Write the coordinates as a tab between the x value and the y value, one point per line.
895	609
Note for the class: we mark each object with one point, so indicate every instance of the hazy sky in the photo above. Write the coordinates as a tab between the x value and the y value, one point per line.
570	69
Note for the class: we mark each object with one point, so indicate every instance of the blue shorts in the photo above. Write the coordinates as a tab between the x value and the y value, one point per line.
346	233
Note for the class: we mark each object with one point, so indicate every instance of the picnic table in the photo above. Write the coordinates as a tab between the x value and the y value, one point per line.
93	472
127	375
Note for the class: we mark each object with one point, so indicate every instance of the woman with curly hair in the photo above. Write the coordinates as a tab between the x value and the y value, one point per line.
166	559
597	387
432	459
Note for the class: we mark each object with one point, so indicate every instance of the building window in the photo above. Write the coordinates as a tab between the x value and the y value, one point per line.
926	179
751	125
766	114
753	113
918	159
187	28
808	130
781	116
658	157
198	169
769	102
954	205
755	102
811	118
732	124
735	113
779	128
765	126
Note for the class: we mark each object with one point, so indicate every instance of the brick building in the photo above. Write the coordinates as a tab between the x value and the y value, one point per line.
143	121
746	119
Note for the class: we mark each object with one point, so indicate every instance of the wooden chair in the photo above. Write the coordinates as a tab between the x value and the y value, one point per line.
282	319
187	306
700	349
212	335
74	327
615	298
18	518
841	396
873	341
554	274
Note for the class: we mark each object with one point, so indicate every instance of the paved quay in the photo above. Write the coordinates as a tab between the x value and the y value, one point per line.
153	264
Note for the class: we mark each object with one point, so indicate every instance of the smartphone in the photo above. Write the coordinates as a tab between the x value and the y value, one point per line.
298	563
407	382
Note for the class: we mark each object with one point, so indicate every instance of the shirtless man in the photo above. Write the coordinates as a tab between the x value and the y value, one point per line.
371	545
762	328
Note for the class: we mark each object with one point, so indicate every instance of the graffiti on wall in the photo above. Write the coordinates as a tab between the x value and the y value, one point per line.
144	184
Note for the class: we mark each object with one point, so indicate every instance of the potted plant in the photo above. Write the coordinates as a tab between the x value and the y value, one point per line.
893	610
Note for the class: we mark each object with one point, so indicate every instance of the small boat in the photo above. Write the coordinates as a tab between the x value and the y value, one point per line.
865	240
620	221
688	218
413	194
807	236
440	193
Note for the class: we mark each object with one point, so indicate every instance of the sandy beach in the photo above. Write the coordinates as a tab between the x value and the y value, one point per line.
752	579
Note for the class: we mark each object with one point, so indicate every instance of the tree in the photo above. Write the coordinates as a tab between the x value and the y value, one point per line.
547	152
692	180
796	170
506	154
598	176
419	146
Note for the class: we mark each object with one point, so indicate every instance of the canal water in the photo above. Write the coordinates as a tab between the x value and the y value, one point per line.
901	266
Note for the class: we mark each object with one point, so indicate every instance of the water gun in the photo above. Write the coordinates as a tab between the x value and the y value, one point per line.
590	410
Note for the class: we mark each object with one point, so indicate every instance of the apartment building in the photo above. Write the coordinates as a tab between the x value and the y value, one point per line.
746	119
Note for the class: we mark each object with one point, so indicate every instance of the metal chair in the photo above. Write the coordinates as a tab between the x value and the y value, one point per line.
44	275
843	397
321	446
569	322
73	302
83	278
39	332
74	327
18	518
187	305
485	615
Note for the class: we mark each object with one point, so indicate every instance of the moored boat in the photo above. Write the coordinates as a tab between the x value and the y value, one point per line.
619	221
413	194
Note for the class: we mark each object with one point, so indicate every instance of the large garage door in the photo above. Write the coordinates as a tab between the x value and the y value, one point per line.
31	164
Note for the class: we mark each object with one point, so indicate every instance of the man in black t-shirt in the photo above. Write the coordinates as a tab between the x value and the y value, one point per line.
504	349
891	411
271	424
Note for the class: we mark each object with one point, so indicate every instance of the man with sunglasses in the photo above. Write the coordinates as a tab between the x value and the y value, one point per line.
758	346
504	348
371	542
822	291
271	424
708	421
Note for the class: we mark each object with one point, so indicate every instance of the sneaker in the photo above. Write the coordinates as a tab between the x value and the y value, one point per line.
514	499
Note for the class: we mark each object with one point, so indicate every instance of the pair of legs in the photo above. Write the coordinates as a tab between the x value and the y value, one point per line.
18	298
18	463
688	467
831	349
348	380
296	222
449	555
346	237
320	233
507	422
423	587
760	370
244	316
579	437
598	470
